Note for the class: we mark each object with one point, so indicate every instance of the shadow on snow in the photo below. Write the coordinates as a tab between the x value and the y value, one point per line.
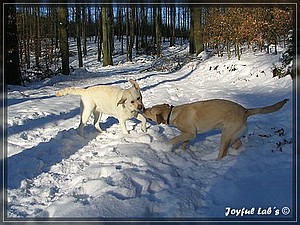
39	122
38	159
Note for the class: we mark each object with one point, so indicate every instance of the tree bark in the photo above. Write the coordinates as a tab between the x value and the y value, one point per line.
37	39
172	27
131	33
157	16
192	38
100	36
107	36
197	34
78	35
64	45
84	29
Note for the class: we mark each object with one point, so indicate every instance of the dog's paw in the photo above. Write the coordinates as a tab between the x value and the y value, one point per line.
101	130
173	147
125	132
144	129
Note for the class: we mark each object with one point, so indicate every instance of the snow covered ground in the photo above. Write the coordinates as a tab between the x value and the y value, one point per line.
54	173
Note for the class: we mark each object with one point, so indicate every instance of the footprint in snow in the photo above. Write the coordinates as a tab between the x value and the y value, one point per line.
143	138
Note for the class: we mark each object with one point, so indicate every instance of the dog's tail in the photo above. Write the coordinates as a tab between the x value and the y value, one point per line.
267	109
73	91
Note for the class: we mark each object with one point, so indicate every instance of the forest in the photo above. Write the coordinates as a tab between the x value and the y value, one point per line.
37	37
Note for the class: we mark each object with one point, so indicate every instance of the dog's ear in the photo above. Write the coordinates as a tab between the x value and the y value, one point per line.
160	119
122	100
135	84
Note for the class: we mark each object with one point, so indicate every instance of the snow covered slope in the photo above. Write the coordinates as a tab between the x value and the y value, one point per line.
53	172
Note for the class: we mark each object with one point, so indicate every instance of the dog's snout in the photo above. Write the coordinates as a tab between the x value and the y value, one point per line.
141	107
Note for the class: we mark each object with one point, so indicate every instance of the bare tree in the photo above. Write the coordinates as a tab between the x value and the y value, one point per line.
172	25
157	16
100	35
64	45
107	35
37	39
196	41
84	29
78	35
130	18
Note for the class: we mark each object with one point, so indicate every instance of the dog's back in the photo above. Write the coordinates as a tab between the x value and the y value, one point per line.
71	90
208	115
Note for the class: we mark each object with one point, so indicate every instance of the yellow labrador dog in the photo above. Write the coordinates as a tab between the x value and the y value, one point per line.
120	103
203	116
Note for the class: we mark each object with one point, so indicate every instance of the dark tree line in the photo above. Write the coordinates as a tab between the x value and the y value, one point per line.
11	53
38	36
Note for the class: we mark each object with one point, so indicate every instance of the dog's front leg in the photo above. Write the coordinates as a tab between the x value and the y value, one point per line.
183	137
143	120
123	126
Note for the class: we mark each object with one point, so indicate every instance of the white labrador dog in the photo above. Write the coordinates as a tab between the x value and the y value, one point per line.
121	103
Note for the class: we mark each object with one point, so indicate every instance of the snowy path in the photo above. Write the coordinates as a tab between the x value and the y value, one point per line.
53	172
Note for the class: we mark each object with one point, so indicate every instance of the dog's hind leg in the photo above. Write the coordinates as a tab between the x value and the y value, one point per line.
230	135
97	118
236	141
225	142
185	145
237	144
86	110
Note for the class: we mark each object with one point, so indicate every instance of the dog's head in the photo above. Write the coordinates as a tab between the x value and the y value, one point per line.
132	98
158	113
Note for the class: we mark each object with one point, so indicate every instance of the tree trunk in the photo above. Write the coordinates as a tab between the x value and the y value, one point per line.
228	49
100	35
89	27
198	41
237	49
192	37
136	20
121	32
64	45
158	30
131	33
11	50
127	34
37	39
107	33
26	38
172	27
78	35
84	29
275	45
144	27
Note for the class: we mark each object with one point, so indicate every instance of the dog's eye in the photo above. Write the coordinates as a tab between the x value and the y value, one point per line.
139	98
